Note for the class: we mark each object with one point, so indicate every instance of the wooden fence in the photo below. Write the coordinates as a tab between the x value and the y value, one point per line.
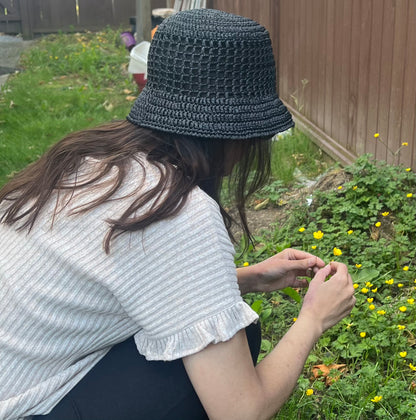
33	17
347	70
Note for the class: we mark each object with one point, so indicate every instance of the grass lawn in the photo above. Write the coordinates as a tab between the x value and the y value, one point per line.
363	368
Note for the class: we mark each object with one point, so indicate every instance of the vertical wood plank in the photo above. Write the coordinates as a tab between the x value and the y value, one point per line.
408	130
363	77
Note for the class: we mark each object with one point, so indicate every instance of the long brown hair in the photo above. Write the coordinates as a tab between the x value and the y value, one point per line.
183	162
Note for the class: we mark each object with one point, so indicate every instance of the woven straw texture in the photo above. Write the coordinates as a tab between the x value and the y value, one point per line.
211	74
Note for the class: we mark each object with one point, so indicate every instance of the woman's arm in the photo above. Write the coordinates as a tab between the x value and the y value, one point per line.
228	384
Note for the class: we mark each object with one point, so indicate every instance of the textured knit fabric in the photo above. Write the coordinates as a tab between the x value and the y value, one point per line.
211	74
64	302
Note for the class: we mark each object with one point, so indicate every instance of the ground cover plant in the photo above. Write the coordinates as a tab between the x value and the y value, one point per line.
67	82
364	368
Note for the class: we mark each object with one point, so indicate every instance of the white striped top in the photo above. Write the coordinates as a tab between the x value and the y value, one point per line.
64	302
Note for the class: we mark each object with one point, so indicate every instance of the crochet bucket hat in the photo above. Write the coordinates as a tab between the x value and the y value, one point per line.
211	74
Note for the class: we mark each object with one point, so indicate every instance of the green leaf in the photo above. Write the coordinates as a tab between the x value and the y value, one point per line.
366	274
289	291
257	306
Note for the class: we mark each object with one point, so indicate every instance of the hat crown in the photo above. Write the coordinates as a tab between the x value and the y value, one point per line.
211	54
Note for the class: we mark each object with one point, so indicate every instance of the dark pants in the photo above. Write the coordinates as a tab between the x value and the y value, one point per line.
125	386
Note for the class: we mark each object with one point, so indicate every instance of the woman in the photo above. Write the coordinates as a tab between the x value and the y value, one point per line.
119	294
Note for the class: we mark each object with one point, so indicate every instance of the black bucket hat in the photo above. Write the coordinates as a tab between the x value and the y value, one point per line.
211	74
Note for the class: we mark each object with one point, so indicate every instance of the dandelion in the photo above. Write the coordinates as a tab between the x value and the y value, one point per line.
337	251
391	281
246	264
402	309
386	213
376	135
400	285
318	235
363	334
378	224
374	290
411	301
350	232
381	312
309	392
313	246
302	229
364	290
358	265
405	268
412	367
401	327
410	195
408	169
354	187
405	143
377	398
355	285
371	307
370	300
403	353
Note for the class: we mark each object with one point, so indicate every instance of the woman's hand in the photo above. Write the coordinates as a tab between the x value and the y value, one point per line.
327	302
280	271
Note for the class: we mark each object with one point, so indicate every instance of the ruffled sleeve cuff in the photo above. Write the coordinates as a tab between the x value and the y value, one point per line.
192	339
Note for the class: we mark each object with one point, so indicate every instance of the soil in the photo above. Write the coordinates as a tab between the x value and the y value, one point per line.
264	216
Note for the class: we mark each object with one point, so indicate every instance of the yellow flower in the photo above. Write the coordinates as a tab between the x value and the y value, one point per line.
354	187
302	229
313	246
405	143
405	268
337	251
355	286
391	281
401	327
377	398
358	265
350	232
368	284
363	334
318	234
381	312
374	290
411	301
364	290
402	309
376	135
370	300
400	285
246	264
414	281
371	307
410	195
412	367
408	169
295	319
309	391
378	224
403	353
386	213
340	187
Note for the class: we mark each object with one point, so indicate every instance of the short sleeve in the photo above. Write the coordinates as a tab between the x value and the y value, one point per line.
181	289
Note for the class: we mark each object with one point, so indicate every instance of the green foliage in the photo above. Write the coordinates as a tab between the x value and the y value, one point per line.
69	82
368	223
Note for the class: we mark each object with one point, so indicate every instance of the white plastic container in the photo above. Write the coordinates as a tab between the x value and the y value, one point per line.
138	63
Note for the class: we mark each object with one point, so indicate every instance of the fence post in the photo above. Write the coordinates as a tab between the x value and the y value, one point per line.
26	19
143	20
